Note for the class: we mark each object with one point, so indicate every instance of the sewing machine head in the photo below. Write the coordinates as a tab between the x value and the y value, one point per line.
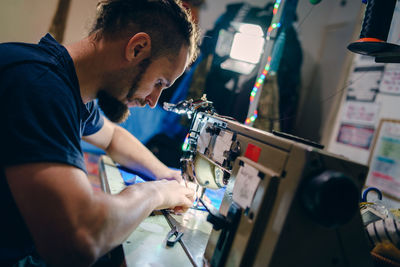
197	162
278	191
206	160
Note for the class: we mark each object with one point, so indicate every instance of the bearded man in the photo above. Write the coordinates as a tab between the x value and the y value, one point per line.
135	50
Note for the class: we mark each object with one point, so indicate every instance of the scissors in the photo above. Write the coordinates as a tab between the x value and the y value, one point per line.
369	189
173	236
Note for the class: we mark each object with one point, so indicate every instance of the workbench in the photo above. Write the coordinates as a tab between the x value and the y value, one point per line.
146	246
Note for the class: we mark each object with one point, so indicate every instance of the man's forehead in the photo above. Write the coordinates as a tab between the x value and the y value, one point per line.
177	66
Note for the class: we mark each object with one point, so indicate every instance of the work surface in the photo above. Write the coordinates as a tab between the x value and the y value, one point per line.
146	246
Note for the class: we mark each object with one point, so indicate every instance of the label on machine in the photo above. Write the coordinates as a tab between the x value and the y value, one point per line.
222	144
246	184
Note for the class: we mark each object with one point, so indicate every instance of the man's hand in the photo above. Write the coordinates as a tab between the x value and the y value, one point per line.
172	175
172	195
191	185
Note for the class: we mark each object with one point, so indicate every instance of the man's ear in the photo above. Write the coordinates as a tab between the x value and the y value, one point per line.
138	47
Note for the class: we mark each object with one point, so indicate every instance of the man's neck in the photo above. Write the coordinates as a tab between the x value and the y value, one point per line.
92	59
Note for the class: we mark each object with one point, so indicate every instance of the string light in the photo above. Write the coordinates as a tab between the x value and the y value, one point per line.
185	145
252	118
260	81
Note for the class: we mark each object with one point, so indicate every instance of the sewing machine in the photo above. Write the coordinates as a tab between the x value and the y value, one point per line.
287	201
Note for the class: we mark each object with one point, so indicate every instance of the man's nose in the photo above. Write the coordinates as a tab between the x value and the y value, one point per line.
153	98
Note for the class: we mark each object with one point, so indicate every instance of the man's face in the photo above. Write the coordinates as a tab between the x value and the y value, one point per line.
150	78
109	97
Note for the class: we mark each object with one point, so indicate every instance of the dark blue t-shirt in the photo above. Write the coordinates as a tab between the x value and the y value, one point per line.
43	120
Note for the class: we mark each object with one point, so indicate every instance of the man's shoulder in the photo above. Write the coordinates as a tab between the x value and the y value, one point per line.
31	66
32	78
23	53
24	62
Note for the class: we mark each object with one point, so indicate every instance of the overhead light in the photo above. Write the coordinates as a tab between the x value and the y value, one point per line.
247	47
244	44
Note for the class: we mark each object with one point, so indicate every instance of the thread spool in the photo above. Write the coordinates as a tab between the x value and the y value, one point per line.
207	174
377	19
375	29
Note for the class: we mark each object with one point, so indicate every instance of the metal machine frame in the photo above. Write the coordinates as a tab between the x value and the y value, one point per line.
300	204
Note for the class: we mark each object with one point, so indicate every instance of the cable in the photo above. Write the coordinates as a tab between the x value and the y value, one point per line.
301	23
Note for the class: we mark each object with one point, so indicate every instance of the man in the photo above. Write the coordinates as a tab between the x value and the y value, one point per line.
136	49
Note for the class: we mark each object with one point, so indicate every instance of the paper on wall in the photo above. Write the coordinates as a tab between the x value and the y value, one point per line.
364	113
384	171
355	135
391	80
364	83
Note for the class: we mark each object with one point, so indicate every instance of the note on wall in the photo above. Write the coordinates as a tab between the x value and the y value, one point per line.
360	113
364	83
356	135
384	170
358	124
391	80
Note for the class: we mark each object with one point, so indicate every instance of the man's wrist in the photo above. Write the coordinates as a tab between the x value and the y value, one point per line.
163	172
156	194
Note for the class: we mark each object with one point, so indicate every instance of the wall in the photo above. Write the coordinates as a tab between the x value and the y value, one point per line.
25	20
29	20
81	16
324	35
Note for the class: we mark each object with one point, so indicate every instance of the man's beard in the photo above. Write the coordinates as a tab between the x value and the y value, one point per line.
114	109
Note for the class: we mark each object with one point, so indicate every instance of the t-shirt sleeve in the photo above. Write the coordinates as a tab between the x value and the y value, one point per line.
41	118
95	121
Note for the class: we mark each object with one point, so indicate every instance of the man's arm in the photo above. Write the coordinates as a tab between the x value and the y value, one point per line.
127	150
73	225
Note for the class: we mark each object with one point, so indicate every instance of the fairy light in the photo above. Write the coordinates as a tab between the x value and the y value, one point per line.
271	28
185	146
260	81
252	118
257	85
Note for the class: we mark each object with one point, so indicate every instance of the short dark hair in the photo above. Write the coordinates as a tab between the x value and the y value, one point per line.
167	22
